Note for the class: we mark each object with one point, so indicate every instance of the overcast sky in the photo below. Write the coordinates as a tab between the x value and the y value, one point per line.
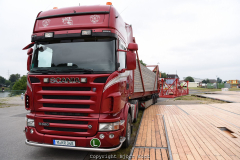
199	38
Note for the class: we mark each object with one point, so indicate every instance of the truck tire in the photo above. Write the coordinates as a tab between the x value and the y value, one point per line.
157	96
153	99
137	107
126	143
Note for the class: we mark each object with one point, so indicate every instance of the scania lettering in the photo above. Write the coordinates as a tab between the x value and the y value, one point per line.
85	83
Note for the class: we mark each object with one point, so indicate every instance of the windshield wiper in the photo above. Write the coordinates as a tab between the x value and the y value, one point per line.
43	71
78	70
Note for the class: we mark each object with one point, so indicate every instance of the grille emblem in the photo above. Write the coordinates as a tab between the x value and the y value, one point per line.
89	126
43	124
64	80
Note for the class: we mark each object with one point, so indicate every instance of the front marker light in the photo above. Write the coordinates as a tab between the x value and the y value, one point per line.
48	35
108	126
86	32
30	122
83	80
46	80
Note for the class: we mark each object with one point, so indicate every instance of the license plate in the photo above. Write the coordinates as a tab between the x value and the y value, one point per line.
64	143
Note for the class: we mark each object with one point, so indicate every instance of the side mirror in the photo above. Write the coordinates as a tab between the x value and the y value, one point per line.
133	46
131	60
29	53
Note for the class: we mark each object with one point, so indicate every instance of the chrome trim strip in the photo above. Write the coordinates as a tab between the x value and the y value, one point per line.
30	143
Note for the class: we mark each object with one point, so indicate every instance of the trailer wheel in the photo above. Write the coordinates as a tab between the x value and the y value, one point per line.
126	143
153	99
156	98
137	107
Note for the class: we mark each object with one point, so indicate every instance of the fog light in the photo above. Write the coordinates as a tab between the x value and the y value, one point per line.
26	130
83	80
111	136
31	131
46	80
101	136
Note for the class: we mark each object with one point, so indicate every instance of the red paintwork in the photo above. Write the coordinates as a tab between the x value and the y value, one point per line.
132	46
107	103
131	60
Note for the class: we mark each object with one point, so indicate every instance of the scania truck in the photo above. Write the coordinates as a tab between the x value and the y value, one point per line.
85	83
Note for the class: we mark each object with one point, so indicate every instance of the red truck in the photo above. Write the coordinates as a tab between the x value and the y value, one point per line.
85	83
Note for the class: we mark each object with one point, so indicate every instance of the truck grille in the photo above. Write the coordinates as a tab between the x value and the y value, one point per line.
64	121
65	97
66	88
70	109
66	114
66	105
65	129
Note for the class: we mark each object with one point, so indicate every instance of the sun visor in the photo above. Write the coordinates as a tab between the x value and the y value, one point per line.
58	22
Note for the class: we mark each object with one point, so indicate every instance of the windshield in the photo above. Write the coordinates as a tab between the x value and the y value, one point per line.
92	54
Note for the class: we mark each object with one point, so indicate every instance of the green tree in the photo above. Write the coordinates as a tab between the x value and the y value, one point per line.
219	80
163	75
207	81
141	61
7	82
189	78
2	80
14	77
21	84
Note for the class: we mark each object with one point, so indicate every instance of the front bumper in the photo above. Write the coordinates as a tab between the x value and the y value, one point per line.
122	139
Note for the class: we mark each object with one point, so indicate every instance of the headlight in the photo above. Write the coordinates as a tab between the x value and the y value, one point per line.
108	126
30	122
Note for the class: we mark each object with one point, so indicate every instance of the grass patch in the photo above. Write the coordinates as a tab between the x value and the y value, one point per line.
119	154
2	105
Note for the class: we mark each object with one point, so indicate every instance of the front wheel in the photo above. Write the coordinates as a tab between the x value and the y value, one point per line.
126	143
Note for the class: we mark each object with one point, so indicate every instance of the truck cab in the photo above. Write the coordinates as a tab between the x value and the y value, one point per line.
80	62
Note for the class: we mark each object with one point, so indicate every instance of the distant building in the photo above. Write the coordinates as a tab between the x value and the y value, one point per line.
233	83
212	80
173	78
193	84
195	79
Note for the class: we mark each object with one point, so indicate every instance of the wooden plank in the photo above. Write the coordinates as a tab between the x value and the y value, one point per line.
147	154
141	154
153	136
170	136
135	154
158	154
164	154
149	128
152	154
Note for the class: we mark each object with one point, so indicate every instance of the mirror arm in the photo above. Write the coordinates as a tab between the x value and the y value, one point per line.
120	50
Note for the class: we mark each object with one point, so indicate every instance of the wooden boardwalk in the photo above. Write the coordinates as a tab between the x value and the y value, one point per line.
205	131
229	96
